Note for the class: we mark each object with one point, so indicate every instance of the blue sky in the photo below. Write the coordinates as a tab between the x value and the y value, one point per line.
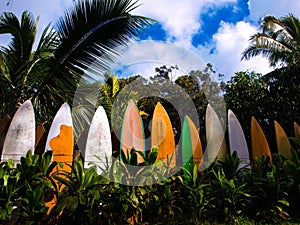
189	33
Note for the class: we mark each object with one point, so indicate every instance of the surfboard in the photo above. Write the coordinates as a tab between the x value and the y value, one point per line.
60	142
283	144
132	132
259	142
98	148
20	136
216	149
60	136
162	135
191	143
237	140
296	129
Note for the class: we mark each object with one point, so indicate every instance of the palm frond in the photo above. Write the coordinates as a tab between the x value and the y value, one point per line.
93	28
279	41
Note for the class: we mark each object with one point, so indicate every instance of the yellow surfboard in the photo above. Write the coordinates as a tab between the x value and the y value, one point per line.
162	135
259	142
283	144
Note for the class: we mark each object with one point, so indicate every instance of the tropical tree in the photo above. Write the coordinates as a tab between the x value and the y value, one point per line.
91	30
279	41
18	62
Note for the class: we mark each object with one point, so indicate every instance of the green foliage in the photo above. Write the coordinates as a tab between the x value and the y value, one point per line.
222	194
270	187
9	188
79	198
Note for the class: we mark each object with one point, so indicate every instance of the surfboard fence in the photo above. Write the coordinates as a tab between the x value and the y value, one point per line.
20	134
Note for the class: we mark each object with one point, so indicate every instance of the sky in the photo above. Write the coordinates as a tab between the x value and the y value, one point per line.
188	33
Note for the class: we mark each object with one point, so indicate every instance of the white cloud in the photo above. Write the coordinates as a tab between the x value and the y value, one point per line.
228	44
180	19
278	8
142	58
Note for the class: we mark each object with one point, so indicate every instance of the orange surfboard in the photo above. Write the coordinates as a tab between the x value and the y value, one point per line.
162	135
283	144
132	133
259	142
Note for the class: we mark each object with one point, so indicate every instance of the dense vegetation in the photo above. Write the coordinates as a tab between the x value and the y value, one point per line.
260	193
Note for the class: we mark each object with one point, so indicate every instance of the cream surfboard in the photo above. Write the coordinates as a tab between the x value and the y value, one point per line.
191	143
20	136
98	150
216	149
132	133
237	139
283	144
60	136
162	135
260	146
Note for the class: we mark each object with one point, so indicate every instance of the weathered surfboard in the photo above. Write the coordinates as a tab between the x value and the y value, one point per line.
296	129
98	150
283	144
260	146
162	135
132	132
60	136
216	149
237	139
20	136
191	143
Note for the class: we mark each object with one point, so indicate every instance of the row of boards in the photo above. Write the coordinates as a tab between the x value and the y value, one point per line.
22	136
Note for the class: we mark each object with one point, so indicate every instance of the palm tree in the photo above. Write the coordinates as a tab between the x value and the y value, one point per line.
91	30
18	62
279	41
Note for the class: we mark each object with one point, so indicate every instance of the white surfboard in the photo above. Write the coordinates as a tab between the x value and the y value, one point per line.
215	134
60	136
21	134
98	148
237	139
